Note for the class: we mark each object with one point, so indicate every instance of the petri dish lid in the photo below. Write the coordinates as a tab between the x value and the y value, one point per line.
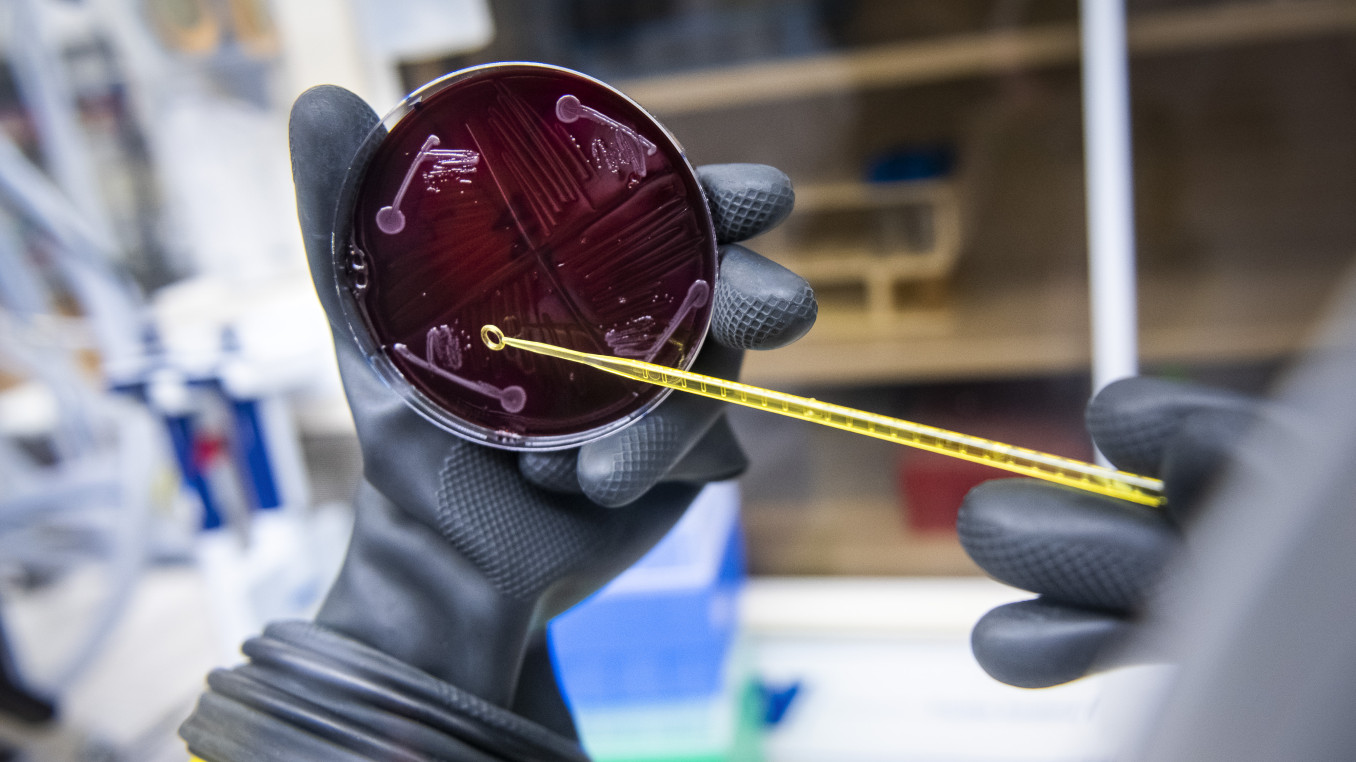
547	203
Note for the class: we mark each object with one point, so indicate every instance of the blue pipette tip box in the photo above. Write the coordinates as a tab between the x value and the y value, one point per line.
651	664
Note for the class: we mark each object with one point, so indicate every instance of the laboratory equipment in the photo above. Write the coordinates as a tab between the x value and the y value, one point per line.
1073	473
527	193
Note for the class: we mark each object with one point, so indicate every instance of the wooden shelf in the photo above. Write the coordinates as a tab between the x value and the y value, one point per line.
874	242
841	196
961	56
1030	326
863	536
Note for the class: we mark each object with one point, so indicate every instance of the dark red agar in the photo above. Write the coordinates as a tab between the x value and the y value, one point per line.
548	204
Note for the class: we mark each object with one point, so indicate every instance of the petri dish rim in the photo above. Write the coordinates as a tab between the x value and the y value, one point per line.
362	333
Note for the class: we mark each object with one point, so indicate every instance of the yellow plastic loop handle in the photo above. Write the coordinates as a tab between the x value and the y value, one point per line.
1067	471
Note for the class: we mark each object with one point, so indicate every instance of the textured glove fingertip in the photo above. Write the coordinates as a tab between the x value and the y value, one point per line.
1036	644
616	471
745	199
552	471
1134	420
326	128
759	304
1130	423
1068	545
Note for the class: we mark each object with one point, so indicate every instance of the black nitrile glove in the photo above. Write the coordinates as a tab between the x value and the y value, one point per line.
1093	559
430	645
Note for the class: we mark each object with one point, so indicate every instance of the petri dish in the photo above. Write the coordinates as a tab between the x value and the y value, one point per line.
547	203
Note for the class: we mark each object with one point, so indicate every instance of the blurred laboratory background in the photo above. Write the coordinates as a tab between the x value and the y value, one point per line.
176	460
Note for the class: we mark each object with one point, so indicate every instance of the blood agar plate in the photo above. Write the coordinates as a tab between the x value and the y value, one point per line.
545	202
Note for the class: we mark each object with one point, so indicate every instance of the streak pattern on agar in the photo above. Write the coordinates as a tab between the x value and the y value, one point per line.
542	239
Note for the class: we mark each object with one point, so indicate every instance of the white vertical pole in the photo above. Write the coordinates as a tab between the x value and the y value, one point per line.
1110	191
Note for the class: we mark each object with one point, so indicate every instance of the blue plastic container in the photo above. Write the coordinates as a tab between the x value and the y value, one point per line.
651	664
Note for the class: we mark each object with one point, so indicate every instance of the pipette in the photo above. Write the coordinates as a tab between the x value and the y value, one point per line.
1067	471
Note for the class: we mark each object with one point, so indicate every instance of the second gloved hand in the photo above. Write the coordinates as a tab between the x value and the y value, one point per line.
1093	560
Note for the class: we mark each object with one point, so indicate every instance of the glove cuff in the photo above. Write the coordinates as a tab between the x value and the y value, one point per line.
310	693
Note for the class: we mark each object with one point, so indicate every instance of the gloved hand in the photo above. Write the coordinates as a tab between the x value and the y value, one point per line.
431	642
1091	559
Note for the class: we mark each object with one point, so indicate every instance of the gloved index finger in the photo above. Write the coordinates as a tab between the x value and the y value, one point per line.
328	125
759	304
1134	421
745	199
1071	546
